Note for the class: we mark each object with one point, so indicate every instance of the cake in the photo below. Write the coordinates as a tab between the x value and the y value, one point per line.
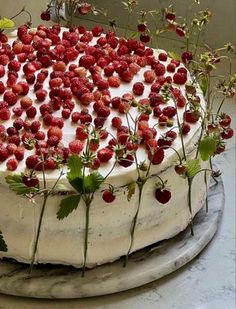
142	113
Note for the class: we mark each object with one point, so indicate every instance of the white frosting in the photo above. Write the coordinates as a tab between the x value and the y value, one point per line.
110	224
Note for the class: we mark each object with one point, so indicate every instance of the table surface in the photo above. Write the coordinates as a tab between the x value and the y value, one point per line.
207	282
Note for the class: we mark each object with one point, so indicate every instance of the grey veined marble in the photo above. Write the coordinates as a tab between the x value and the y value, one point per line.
149	264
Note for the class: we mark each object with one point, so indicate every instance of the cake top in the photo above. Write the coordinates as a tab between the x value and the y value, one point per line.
113	101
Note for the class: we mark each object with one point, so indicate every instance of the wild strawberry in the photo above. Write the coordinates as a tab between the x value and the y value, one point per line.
97	30
26	102
141	27
50	164
5	113
227	133
162	195
76	146
32	161
225	120
19	153
149	76
145	38
116	122
3	153
10	98
12	164
84	8
55	131
59	66
138	88
126	76
181	169
81	132
185	128
157	111
104	154
126	161
41	95
169	111
170	16
114	81
156	156
31	112
108	196
180	101
160	69
11	148
162	56
171	67
186	57
45	15
30	181
180	31
191	116
180	78
162	120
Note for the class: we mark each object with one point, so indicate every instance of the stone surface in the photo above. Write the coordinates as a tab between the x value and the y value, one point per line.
144	266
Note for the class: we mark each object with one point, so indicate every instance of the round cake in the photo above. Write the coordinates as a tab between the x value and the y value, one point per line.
114	115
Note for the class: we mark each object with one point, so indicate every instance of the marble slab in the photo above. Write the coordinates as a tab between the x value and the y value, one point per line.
144	266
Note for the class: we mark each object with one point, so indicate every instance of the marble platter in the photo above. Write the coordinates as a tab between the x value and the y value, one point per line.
149	264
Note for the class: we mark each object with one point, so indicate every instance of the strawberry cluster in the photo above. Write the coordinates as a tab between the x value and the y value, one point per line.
50	77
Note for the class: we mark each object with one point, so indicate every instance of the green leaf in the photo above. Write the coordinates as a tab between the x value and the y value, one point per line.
6	23
75	166
207	147
3	245
204	84
77	184
93	182
67	205
131	190
15	184
174	56
193	167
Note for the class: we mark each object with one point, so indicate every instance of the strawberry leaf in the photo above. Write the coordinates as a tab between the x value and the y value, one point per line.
207	147
75	166
67	205
15	184
3	245
131	190
6	23
93	182
193	167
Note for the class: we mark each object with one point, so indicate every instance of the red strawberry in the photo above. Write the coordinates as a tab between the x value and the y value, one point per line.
141	27
180	169
191	116
126	161
227	133
108	196
156	156
180	78
162	195
138	88
30	181
104	154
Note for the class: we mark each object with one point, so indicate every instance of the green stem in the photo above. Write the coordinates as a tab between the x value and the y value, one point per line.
190	203
38	232
219	108
205	180
87	205
140	184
